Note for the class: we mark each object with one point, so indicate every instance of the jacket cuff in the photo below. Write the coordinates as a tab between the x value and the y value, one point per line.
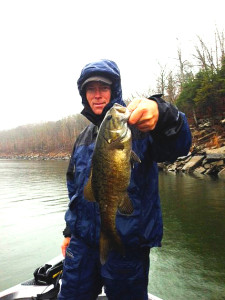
67	232
170	120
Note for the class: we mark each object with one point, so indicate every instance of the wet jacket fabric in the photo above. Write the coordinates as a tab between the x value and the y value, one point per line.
143	229
170	139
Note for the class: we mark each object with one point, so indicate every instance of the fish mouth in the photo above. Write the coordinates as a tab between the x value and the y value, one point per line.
117	127
123	111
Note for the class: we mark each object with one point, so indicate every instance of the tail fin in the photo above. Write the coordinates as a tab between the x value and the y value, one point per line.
104	248
106	245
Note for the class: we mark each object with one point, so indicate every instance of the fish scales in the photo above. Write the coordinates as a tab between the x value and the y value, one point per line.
110	176
110	179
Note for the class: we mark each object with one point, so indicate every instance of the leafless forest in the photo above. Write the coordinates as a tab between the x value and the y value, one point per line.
196	87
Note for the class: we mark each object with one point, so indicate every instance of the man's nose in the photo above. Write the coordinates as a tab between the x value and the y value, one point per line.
97	93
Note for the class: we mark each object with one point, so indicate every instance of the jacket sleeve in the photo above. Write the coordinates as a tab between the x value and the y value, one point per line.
171	137
70	174
66	231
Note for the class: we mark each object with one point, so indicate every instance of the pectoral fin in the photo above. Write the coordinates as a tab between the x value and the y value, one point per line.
88	192
126	207
134	158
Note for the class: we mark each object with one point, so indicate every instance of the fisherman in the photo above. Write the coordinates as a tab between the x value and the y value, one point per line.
159	133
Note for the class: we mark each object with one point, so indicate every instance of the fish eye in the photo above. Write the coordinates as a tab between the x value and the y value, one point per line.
109	117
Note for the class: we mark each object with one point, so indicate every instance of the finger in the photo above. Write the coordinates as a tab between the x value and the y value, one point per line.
141	113
146	123
144	119
134	104
145	127
135	116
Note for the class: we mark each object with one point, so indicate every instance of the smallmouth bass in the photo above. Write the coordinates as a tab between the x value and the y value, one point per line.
110	176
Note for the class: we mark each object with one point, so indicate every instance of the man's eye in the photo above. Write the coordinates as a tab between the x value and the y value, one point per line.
105	88
90	89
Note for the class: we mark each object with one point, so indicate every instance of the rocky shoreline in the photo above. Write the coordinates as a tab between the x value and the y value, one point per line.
37	156
207	162
207	156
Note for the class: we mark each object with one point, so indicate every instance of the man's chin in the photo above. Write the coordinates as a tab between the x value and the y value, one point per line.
98	110
98	113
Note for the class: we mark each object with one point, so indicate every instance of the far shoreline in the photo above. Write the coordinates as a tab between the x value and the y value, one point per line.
203	162
36	156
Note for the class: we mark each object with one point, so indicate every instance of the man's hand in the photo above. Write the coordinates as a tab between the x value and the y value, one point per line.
65	244
144	114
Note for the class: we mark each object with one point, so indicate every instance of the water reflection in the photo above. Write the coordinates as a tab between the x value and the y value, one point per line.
190	264
33	200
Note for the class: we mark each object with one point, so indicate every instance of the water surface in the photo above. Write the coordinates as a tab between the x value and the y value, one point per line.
33	200
190	265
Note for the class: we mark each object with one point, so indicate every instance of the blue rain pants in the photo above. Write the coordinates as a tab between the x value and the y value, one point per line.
123	277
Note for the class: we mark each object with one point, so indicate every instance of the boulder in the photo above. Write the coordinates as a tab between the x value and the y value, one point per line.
221	174
212	171
217	163
214	156
199	170
193	163
220	150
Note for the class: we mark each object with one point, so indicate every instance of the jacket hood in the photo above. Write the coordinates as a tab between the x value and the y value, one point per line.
110	70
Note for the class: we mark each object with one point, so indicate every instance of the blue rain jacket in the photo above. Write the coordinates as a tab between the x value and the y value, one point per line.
170	139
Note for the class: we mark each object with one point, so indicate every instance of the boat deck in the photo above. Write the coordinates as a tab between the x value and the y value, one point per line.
29	289
29	292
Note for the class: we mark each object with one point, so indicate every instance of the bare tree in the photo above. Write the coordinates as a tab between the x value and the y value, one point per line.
208	59
185	71
171	87
44	137
161	80
204	56
219	37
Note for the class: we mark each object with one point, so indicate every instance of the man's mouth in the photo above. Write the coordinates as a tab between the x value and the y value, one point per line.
99	104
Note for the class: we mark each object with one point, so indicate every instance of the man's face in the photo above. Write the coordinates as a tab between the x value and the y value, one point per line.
98	95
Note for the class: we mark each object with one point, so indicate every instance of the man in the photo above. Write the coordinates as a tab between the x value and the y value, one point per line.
159	133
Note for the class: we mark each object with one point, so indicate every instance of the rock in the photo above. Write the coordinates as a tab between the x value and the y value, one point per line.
206	124
220	150
161	166
221	174
206	137
172	168
217	163
206	165
185	158
193	163
66	158
211	171
199	170
215	156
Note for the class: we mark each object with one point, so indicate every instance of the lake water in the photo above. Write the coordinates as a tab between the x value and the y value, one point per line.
190	265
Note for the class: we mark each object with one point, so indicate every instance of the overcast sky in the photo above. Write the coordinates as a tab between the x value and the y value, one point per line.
45	43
